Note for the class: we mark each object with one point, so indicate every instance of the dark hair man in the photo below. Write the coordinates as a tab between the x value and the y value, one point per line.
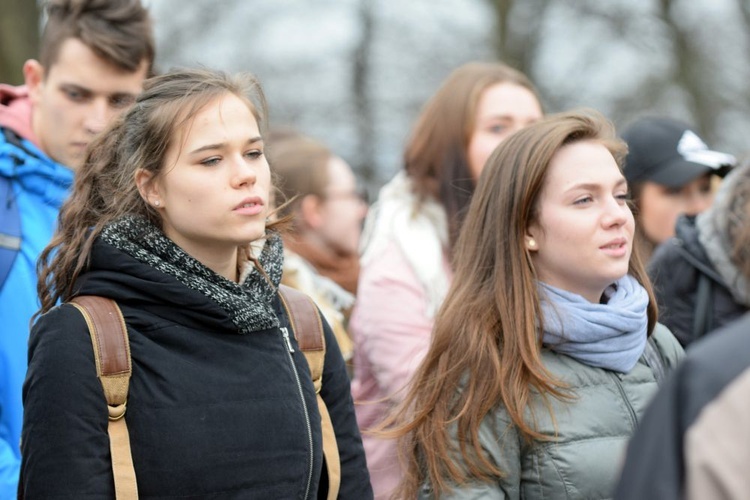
94	57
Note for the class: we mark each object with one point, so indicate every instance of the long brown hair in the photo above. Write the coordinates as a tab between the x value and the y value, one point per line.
486	348
105	189
435	157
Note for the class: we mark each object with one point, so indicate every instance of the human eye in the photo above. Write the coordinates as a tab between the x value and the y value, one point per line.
705	187
121	101
497	128
210	162
583	200
622	198
74	94
254	154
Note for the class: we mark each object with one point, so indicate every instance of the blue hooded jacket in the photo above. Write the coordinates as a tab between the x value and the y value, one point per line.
39	186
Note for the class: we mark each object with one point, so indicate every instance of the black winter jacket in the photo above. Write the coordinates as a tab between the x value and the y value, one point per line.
211	413
692	440
675	269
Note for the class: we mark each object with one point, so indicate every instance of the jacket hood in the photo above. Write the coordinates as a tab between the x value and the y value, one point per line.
35	172
687	232
419	228
714	234
131	283
15	111
688	236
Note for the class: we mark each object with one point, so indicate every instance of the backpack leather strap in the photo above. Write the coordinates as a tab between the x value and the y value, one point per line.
109	338
308	330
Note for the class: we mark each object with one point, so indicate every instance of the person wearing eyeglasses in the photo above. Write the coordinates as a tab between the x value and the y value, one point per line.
318	190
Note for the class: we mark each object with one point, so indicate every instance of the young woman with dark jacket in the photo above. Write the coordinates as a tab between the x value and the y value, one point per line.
540	364
221	403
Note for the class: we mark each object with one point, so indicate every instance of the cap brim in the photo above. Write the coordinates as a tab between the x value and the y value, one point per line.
680	172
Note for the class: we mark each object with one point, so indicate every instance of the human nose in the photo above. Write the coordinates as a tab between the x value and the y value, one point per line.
97	116
244	174
363	208
616	212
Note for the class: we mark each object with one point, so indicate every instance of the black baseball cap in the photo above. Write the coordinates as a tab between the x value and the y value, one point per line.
670	153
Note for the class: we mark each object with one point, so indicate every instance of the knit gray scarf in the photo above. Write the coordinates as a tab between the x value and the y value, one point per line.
249	304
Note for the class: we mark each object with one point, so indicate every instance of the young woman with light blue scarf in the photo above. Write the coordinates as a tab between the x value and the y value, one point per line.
546	350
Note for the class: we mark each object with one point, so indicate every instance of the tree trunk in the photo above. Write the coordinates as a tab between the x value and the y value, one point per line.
19	38
364	164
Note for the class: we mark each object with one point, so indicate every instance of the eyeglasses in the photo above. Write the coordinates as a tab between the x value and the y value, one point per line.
359	194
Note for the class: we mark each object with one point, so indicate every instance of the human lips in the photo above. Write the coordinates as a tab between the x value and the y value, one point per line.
617	247
249	206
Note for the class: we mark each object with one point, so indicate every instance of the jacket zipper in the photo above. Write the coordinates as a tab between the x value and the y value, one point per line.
290	350
631	411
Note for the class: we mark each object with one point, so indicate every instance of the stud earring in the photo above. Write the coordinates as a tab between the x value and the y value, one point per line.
157	203
532	243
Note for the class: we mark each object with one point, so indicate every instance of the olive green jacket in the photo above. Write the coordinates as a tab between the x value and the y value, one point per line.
584	461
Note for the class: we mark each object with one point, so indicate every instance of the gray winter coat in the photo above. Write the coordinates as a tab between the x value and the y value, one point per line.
592	432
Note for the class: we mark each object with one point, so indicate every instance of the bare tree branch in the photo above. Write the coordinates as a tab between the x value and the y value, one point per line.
690	66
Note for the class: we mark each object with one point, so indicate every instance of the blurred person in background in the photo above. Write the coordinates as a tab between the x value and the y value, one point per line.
670	171
702	276
410	233
321	255
546	350
94	57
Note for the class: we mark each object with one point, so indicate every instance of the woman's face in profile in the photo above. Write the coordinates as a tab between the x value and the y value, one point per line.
584	235
502	109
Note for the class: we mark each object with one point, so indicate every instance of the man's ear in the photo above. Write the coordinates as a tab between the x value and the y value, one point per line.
310	211
33	75
148	188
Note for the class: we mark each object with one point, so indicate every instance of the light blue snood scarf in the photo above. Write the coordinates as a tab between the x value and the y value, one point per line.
610	336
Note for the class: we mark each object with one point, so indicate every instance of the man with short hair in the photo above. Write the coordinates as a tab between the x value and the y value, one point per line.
94	57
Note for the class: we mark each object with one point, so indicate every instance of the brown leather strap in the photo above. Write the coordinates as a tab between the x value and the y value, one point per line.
308	330
330	451
305	320
109	338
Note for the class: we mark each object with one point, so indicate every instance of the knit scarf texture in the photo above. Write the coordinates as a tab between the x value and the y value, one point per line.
610	336
249	304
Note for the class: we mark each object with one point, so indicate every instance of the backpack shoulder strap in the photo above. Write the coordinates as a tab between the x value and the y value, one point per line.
308	330
10	217
109	338
10	223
